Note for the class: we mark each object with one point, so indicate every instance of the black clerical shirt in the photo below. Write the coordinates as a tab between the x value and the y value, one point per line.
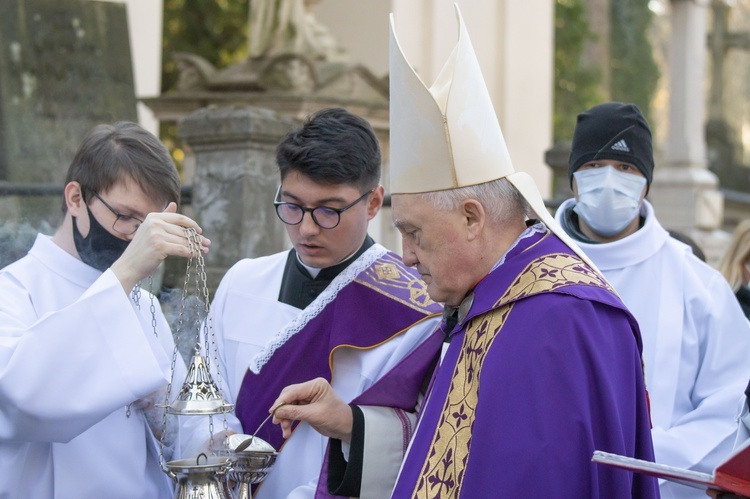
299	288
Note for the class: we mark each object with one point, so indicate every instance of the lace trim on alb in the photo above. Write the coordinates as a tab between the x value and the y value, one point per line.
311	311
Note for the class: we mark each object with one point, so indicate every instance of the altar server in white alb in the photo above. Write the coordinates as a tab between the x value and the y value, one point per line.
696	340
337	306
79	357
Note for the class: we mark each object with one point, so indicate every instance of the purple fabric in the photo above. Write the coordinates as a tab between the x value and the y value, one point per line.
308	354
562	378
399	388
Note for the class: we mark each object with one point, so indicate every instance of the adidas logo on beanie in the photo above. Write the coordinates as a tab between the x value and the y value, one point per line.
612	130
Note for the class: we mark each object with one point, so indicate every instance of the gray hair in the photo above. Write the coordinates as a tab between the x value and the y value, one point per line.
500	199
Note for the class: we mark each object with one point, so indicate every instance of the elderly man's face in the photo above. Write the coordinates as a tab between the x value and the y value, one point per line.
436	243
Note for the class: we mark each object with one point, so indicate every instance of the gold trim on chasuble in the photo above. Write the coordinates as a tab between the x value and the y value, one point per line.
391	275
443	472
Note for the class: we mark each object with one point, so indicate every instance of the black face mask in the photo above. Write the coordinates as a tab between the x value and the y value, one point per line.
99	248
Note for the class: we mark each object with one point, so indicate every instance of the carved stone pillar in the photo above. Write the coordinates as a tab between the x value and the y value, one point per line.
235	181
684	192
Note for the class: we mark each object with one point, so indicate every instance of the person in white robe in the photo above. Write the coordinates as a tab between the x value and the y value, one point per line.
82	362
696	340
277	310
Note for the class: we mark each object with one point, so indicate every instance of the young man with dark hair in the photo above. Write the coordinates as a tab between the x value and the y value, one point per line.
696	340
337	306
79	356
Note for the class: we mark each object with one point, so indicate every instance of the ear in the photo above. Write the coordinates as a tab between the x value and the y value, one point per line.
475	217
74	199
375	202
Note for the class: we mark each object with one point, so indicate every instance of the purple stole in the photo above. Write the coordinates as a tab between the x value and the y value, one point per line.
382	302
479	434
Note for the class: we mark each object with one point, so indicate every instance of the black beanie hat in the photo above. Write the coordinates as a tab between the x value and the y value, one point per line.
612	130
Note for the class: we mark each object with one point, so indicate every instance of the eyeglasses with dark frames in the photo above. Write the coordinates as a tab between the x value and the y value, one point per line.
124	224
324	217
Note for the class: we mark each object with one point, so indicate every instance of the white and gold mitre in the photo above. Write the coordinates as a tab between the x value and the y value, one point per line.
447	136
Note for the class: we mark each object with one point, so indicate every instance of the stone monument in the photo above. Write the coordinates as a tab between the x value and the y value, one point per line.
64	67
234	184
294	67
232	118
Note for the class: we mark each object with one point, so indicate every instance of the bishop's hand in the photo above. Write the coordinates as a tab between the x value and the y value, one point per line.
316	403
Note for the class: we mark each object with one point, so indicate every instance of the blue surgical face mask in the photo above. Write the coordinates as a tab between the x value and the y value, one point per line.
608	199
99	248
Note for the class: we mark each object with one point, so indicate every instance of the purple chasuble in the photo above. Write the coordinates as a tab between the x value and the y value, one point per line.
544	370
382	302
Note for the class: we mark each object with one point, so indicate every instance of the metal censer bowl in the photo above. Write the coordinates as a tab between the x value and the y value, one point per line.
249	466
199	481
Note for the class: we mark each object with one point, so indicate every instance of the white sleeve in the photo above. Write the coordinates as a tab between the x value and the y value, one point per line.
387	434
67	370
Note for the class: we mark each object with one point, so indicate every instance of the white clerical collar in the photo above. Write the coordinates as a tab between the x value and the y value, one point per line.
632	249
314	271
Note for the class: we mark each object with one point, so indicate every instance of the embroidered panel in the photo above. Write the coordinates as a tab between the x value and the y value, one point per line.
390	277
442	473
550	272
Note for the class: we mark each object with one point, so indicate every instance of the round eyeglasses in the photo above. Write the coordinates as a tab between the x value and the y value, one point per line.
124	224
324	217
